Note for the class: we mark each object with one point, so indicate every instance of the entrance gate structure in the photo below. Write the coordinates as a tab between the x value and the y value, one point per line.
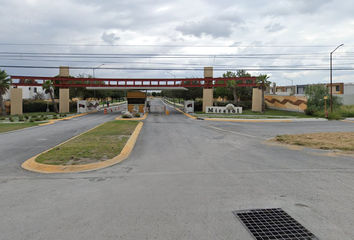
64	82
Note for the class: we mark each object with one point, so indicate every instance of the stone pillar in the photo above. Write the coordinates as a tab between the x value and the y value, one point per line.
64	92
64	71
208	72
207	98
64	100
257	100
207	93
16	101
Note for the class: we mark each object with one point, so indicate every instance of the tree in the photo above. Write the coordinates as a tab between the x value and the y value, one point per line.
38	96
154	94
49	88
233	84
263	83
315	98
222	92
4	87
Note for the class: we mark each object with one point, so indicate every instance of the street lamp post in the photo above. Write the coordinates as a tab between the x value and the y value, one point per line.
93	75
174	103
93	70
171	74
292	84
330	62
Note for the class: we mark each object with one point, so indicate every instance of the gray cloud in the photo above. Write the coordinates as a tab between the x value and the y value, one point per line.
294	7
275	27
83	26
207	26
110	38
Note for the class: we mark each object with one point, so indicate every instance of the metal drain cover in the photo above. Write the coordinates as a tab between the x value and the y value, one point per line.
273	224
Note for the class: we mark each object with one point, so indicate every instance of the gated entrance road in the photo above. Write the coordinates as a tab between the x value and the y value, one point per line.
183	180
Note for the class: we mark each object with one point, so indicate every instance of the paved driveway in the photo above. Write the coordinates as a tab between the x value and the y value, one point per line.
182	181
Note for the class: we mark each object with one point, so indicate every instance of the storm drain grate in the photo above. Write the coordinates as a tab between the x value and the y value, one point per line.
273	224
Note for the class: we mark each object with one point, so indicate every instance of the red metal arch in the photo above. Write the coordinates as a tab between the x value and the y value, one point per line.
66	82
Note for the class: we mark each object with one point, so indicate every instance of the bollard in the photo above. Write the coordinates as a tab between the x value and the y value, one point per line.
105	111
167	112
111	110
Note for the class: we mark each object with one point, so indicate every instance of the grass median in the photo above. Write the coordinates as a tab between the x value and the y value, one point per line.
7	127
248	114
329	141
100	144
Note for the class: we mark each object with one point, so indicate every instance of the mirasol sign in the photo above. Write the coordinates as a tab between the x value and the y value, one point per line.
223	110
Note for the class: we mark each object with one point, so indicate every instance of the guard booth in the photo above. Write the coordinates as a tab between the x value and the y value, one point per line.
136	100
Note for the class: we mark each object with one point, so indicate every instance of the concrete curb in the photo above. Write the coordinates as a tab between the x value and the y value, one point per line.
258	120
131	119
32	165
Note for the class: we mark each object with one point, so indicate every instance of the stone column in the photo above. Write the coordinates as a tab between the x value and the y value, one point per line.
64	100
64	92
257	100
64	71
16	101
207	93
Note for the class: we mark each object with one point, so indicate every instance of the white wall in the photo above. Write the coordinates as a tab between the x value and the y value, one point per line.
349	88
347	99
27	92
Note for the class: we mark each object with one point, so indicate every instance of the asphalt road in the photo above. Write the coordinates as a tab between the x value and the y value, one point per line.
182	181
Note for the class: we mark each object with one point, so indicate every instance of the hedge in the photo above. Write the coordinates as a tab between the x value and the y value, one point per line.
41	106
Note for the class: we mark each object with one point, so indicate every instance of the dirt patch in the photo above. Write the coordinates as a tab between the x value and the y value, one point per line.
343	141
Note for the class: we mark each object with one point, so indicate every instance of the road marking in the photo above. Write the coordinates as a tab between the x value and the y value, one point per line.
242	134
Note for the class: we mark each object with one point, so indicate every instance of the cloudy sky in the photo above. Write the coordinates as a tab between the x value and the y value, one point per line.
290	40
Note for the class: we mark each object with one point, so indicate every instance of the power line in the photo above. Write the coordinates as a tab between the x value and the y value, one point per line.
164	45
187	69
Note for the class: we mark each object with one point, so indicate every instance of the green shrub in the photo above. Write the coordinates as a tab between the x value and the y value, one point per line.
347	111
26	116
11	119
37	119
41	106
36	106
198	106
245	105
34	116
334	115
31	120
2	118
55	117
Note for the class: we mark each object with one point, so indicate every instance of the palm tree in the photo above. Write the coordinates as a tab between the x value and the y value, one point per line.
263	83
49	88
4	87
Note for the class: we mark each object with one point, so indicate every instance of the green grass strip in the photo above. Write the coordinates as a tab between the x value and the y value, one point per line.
7	127
100	144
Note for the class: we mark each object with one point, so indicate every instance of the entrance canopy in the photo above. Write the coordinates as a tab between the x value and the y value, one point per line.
136	88
153	84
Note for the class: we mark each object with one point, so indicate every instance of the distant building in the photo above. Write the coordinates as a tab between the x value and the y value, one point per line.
343	90
28	92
